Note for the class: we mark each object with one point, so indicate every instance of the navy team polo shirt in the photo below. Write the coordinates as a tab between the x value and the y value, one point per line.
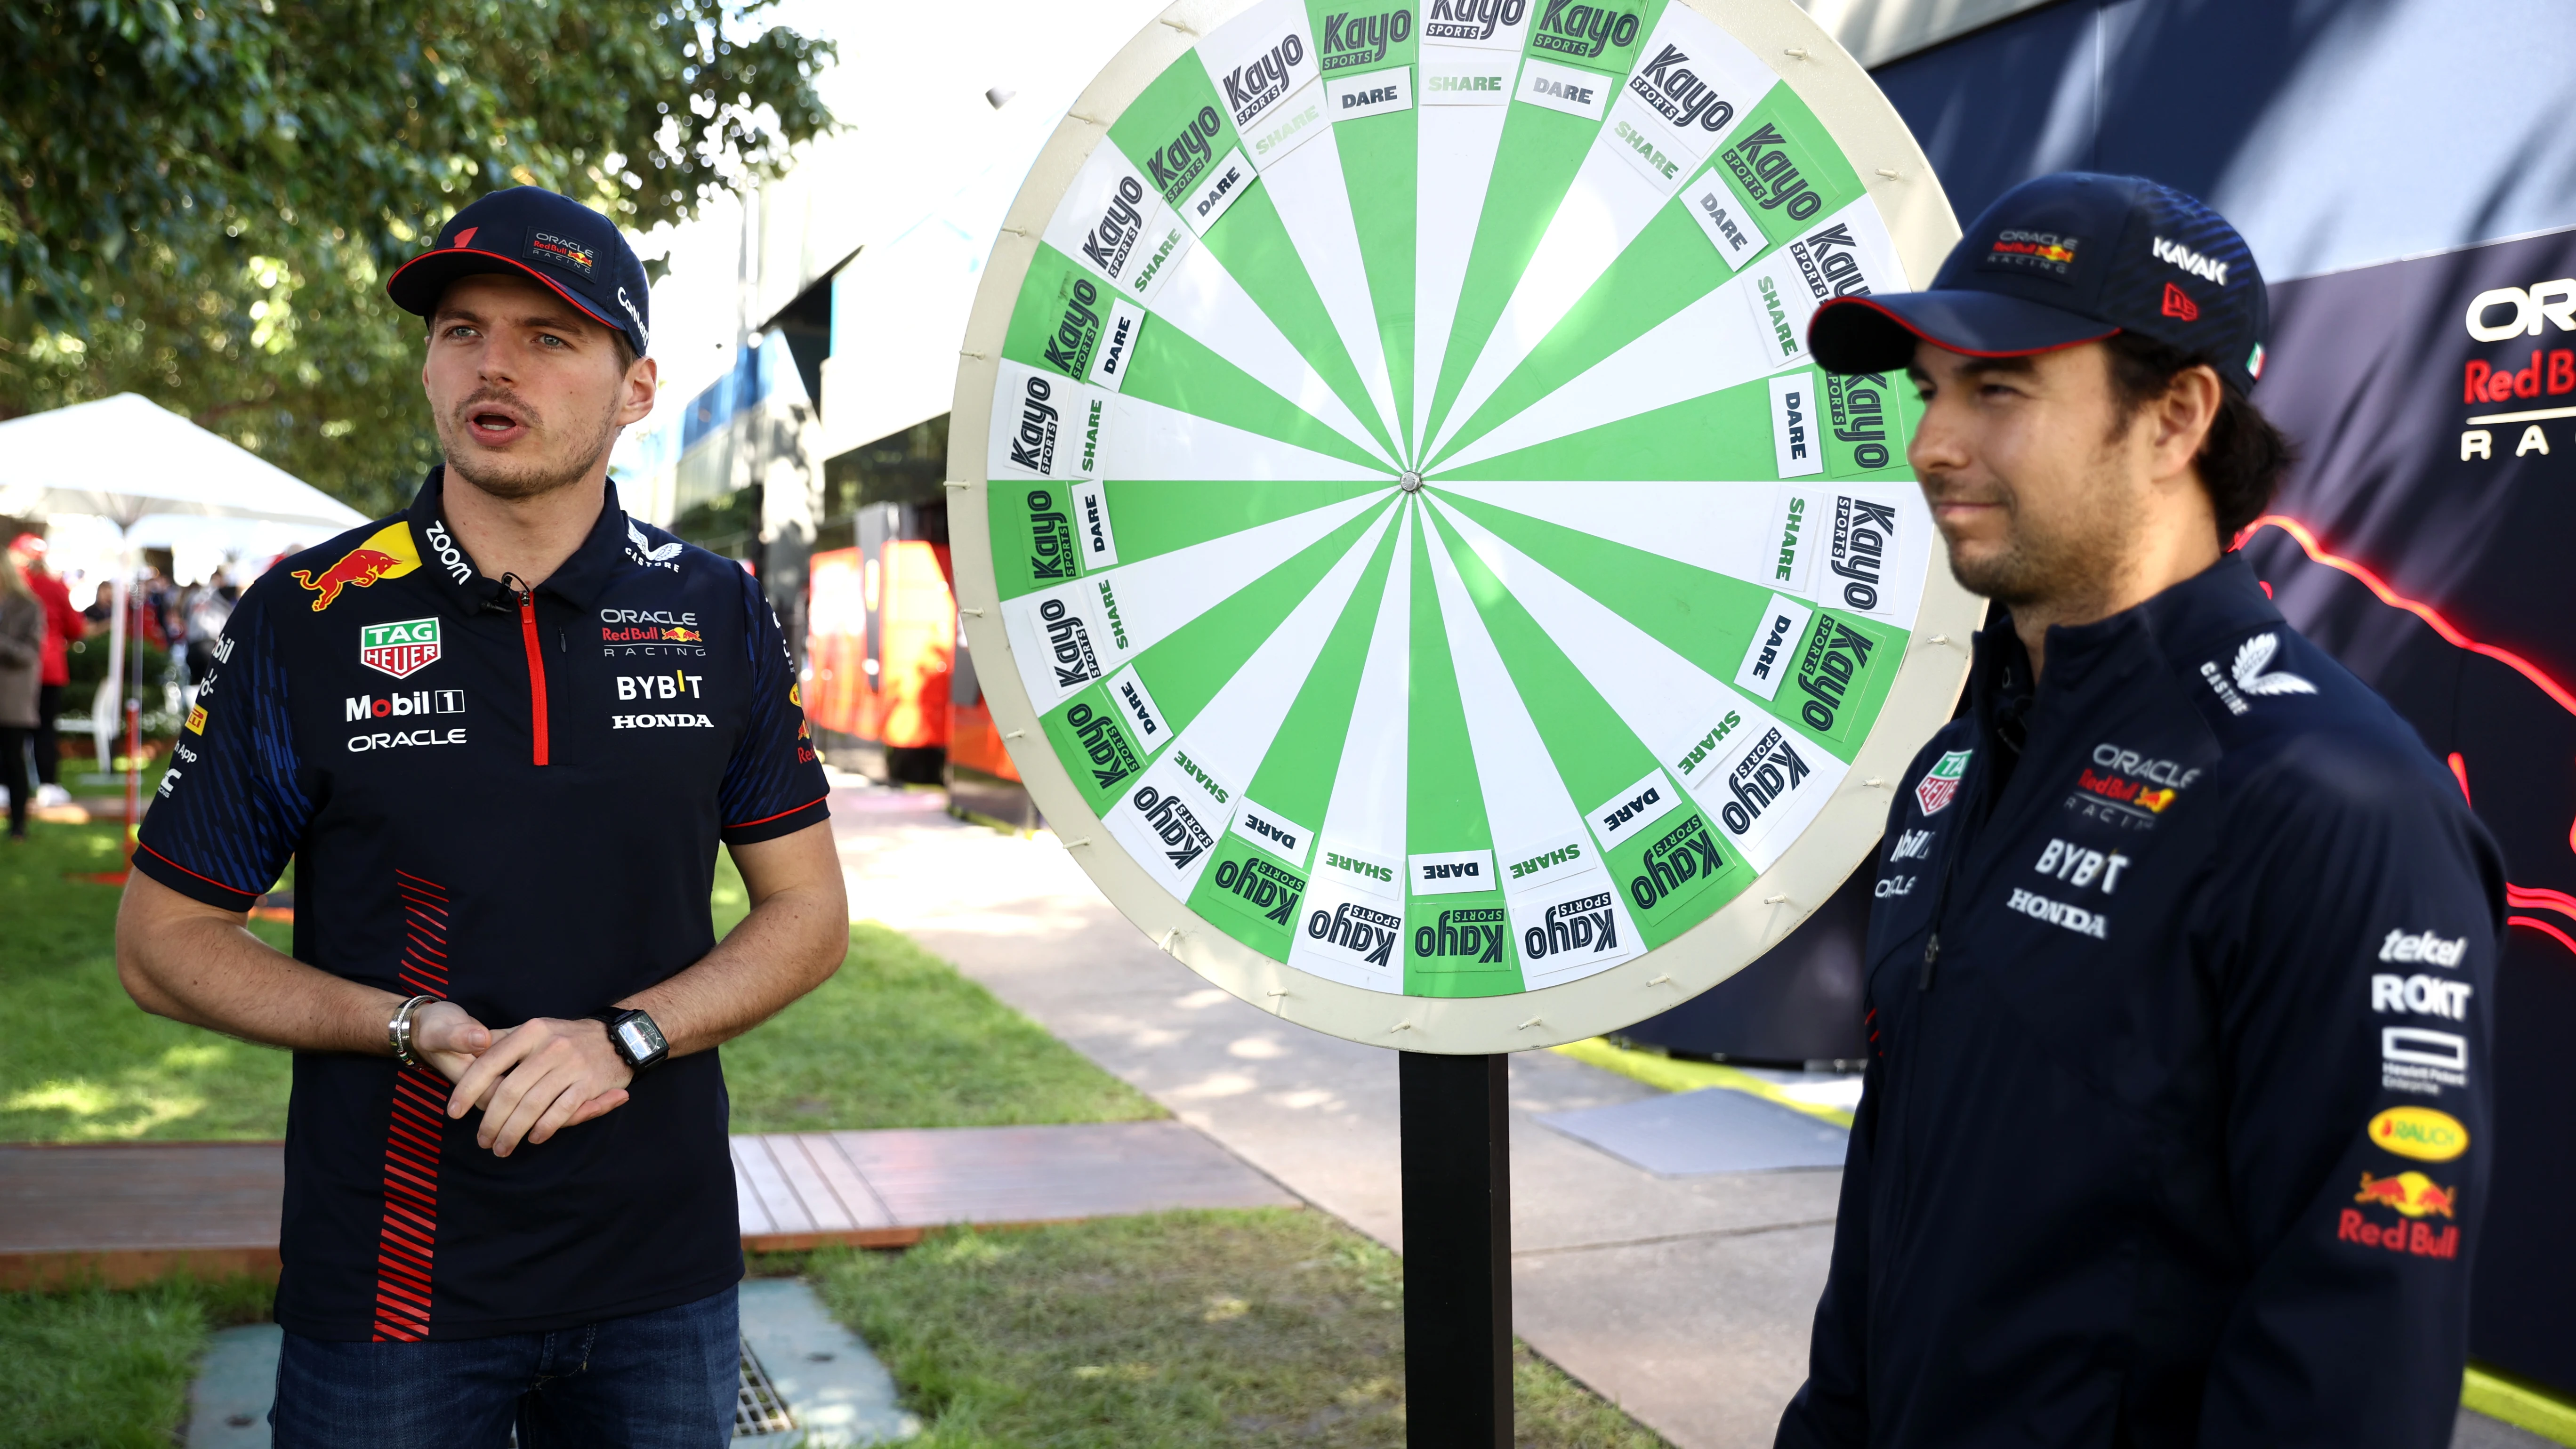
514	806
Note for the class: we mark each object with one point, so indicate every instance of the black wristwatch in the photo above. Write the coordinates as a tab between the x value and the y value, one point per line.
635	1038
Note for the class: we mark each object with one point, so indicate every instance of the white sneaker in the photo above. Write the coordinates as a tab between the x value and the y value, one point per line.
51	795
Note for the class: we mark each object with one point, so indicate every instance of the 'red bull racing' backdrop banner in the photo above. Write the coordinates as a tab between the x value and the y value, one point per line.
2423	539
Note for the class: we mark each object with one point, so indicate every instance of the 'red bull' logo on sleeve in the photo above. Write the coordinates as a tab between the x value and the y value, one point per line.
388	553
2411	1193
2415	1197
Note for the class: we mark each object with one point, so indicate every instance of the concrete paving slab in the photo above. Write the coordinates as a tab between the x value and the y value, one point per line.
228	1404
2477	1431
835	1389
1704	1337
1684	1134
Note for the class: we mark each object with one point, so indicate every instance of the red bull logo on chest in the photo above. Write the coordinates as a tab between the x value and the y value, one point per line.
388	553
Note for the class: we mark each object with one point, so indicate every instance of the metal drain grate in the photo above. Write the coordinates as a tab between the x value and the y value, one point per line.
758	1409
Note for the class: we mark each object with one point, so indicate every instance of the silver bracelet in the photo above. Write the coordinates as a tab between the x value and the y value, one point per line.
398	1030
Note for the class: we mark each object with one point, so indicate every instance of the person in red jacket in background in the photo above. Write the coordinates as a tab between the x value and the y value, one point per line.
64	626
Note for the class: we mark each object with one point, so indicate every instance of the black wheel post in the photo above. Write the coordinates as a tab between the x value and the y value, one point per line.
1457	1251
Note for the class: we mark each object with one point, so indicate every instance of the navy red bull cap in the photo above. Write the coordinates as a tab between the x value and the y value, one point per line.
568	247
2064	260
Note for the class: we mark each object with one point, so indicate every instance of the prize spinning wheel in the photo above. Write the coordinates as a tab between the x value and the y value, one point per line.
1443	603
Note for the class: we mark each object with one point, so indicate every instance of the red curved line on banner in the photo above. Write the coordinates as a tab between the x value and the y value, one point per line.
2540	925
2450	632
2538	898
2528	897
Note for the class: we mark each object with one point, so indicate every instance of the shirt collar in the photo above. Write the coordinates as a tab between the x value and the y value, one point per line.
578	580
2187	621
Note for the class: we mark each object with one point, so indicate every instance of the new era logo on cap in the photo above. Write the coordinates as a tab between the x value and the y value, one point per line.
2179	305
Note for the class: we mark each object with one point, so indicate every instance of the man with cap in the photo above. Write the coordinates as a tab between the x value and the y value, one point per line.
2180	971
500	735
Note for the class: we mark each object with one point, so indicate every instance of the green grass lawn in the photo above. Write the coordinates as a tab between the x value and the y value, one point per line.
1166	1332
896	1039
91	1367
82	1062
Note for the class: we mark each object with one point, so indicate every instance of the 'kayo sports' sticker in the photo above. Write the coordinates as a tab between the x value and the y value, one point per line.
1440	568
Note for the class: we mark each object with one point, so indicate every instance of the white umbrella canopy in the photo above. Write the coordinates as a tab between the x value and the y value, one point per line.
126	457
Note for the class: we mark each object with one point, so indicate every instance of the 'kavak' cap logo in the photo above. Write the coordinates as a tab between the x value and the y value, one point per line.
2064	260
528	231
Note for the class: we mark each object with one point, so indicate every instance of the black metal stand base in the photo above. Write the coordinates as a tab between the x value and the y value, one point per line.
1457	1252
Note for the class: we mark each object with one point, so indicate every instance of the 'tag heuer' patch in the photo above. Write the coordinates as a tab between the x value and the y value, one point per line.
399	649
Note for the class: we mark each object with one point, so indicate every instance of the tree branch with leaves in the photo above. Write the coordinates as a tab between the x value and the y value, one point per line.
202	199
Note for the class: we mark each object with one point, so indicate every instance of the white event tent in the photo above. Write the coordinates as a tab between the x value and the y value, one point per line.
126	458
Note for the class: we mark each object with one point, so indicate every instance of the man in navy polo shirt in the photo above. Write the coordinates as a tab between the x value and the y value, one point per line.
2181	962
500	735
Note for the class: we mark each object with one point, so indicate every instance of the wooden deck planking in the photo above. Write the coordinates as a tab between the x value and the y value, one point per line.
786	1213
830	1212
866	1209
755	1218
128	1212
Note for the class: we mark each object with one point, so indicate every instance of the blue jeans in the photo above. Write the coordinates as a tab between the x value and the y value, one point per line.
660	1380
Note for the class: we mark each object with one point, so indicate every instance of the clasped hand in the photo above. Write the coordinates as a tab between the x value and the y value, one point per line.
530	1080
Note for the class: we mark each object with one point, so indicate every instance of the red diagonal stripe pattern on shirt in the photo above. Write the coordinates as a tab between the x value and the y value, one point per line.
408	1242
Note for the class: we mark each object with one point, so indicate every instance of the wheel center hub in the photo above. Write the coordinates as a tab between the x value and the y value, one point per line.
1411	482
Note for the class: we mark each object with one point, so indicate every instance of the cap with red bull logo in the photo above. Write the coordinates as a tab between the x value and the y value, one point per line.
529	231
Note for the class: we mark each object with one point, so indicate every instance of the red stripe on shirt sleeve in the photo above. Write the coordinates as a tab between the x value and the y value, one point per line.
245	899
